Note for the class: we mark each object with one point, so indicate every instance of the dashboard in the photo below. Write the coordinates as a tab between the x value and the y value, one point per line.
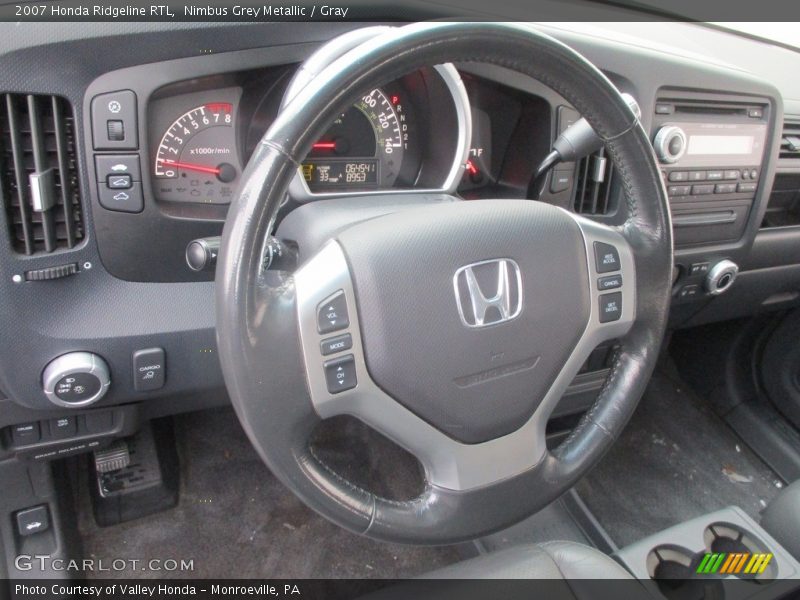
147	149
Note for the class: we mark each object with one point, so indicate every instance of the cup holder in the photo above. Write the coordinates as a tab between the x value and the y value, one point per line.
733	540
674	571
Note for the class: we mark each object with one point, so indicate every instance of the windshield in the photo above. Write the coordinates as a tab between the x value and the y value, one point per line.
779	33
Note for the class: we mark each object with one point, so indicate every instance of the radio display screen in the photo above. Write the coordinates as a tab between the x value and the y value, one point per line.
728	145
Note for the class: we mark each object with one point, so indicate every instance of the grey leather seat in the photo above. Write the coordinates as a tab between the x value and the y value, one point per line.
550	560
570	572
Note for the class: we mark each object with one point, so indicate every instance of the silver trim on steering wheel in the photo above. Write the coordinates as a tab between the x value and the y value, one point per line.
447	462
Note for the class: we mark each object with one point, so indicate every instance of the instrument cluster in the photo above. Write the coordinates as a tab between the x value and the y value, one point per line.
412	133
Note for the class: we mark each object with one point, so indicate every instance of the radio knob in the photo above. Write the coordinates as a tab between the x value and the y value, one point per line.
76	379
670	143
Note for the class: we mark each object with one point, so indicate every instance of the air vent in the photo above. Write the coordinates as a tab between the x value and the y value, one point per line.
38	173
593	189
790	141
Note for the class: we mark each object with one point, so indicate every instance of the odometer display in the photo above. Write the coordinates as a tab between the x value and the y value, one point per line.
196	159
363	148
340	172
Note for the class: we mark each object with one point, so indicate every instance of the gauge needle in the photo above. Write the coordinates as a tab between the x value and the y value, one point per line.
191	166
324	146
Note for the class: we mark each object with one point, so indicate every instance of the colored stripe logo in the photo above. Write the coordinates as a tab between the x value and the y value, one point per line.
733	563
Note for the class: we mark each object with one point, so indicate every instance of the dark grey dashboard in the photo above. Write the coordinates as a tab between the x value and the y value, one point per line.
109	277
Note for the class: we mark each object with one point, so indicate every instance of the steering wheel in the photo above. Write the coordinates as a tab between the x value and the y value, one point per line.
461	323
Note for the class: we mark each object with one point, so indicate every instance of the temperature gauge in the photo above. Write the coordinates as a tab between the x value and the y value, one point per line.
479	161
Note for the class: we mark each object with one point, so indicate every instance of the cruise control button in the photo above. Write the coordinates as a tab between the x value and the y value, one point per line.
26	433
610	307
336	344
332	314
611	282
606	258
340	374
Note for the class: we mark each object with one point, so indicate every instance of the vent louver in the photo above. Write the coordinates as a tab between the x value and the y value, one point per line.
38	173
593	185
790	140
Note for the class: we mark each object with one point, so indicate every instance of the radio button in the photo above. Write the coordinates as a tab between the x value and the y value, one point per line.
679	176
697	176
679	190
725	188
714	175
731	174
746	187
753	174
702	190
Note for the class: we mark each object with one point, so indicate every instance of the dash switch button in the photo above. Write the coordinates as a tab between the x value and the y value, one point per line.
340	374
149	369
332	314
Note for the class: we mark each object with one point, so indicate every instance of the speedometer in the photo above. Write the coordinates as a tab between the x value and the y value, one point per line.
363	148
197	156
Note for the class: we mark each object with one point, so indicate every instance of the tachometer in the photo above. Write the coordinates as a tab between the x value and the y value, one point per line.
363	148
197	156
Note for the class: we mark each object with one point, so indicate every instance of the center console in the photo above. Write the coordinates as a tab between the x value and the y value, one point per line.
724	555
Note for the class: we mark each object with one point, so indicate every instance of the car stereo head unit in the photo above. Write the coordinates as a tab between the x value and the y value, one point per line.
716	144
711	152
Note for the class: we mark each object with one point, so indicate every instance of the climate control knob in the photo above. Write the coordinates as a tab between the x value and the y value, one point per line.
76	379
670	144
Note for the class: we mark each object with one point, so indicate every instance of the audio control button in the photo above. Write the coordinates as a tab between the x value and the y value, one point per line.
332	314
679	190
701	190
679	176
714	175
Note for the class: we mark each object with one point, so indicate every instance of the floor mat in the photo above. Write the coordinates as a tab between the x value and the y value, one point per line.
675	460
235	519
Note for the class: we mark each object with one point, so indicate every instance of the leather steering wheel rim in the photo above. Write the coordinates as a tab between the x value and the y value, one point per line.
259	345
